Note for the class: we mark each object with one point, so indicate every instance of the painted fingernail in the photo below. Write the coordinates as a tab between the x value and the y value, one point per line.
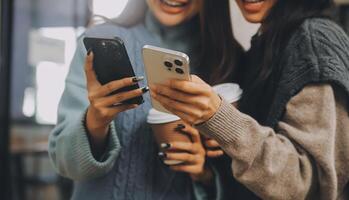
140	103
179	127
162	155
137	79
165	145
145	89
89	52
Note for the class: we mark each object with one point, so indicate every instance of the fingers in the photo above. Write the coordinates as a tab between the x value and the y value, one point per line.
196	79
181	146
211	143
175	106
89	71
193	133
116	85
190	87
214	154
123	96
181	156
181	97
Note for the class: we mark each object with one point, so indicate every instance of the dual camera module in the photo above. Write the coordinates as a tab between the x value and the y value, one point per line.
177	64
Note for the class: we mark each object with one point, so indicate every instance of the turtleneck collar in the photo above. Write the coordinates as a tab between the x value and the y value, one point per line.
184	37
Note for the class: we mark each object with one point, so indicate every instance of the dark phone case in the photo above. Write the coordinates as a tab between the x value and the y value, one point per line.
111	62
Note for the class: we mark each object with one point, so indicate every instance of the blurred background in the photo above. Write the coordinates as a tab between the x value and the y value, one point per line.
37	45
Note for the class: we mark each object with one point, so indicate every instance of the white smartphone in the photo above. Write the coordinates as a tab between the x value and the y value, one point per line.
164	64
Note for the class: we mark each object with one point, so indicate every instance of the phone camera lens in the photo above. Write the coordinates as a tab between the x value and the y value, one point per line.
179	71
178	62
168	64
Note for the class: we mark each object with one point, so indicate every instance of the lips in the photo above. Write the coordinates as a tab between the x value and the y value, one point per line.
252	1
174	7
175	3
253	6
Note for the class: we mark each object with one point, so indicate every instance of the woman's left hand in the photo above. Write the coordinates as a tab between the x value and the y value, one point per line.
192	154
193	101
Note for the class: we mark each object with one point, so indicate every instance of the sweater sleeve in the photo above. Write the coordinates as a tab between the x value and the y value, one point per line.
69	147
301	159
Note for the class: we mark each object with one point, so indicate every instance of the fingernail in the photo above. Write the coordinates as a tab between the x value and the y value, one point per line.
179	127
89	52
145	89
137	79
140	103
165	145
162	155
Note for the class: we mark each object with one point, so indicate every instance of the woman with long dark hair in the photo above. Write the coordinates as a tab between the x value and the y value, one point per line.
290	137
108	150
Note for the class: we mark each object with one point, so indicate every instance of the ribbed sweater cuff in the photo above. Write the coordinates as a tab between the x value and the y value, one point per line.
227	125
89	166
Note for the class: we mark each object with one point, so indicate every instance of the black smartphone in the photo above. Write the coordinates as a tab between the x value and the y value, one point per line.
111	62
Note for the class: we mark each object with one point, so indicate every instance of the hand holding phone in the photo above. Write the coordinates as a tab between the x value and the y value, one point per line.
103	107
109	94
111	62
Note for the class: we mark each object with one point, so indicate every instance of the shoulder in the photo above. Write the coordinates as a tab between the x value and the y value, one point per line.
319	33
318	45
322	27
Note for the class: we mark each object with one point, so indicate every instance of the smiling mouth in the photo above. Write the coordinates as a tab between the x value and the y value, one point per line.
252	1
174	3
253	6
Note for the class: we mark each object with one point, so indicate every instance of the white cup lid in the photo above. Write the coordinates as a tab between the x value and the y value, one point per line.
157	117
231	92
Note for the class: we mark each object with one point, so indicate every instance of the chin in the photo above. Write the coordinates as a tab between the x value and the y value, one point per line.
173	12
255	19
167	20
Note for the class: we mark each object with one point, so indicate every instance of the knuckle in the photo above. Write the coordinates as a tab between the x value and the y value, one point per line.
125	82
137	92
190	120
118	97
109	87
198	115
91	98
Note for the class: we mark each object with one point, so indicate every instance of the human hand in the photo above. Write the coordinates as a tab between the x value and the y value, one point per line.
212	147
193	101
192	154
104	107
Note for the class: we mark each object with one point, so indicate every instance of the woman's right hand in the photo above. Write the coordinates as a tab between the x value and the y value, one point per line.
104	107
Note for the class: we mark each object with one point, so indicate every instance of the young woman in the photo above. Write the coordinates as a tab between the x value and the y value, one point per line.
109	150
290	138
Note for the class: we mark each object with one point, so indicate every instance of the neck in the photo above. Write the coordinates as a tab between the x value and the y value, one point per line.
184	37
173	34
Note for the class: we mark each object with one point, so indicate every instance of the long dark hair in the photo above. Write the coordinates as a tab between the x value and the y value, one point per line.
277	28
221	53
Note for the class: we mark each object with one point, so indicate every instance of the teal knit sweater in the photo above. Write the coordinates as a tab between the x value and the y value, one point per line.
130	168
